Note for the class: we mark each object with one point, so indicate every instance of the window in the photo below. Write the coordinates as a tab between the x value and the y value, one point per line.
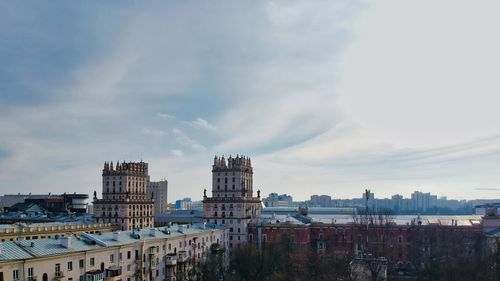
70	265
15	274
92	261
30	274
58	268
120	256
128	255
81	263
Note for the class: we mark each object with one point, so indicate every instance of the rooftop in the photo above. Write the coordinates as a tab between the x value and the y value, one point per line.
26	249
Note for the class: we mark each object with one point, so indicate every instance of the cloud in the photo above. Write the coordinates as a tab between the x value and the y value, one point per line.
176	153
200	123
164	115
325	96
154	132
185	140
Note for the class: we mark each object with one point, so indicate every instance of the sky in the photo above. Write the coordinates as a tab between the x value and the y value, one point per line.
326	97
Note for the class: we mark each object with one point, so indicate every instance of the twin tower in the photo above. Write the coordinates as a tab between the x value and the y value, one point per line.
233	203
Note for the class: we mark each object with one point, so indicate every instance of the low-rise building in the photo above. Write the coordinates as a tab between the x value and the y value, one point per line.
145	254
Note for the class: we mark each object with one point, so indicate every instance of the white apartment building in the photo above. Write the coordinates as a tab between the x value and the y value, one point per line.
147	254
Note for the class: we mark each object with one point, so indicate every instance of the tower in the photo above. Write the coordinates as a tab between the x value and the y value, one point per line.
124	198
232	203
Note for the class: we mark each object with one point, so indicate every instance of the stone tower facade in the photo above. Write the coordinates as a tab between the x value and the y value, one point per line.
124	197
233	203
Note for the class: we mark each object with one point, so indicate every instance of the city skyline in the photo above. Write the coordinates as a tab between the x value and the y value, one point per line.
326	98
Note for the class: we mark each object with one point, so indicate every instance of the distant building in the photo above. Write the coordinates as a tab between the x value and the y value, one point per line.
51	203
324	201
275	200
232	203
124	199
184	204
158	191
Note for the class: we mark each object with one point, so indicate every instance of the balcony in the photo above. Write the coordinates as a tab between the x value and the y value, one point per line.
152	251
182	256
171	260
113	273
59	275
153	264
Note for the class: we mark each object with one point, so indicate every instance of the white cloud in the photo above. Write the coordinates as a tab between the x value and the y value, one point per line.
422	74
176	153
154	132
200	123
186	141
164	115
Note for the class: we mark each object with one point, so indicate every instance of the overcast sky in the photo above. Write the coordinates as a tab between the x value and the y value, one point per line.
327	97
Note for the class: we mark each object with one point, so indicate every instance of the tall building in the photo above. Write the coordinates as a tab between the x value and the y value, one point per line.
124	200
157	190
232	204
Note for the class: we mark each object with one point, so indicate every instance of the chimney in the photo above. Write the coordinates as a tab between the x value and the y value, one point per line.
152	232
116	235
66	242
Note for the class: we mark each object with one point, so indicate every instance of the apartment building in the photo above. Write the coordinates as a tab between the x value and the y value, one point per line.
145	254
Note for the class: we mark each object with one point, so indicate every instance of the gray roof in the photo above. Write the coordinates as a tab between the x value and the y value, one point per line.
25	249
11	251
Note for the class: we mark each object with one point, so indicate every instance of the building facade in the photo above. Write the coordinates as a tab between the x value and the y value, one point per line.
16	232
124	199
232	203
157	191
147	255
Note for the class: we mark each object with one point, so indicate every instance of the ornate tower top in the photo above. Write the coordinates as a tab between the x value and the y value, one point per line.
130	168
238	163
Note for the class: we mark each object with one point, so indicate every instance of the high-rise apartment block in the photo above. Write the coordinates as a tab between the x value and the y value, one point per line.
124	199
157	190
232	203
